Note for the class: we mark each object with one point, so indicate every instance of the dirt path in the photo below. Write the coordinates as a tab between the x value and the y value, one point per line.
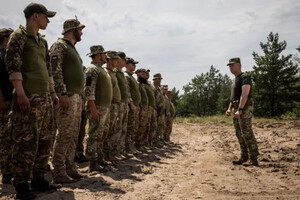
198	166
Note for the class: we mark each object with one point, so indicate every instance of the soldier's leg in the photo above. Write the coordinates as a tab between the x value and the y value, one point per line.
248	135
5	148
135	128
122	147
68	121
118	130
130	130
153	127
104	121
112	135
79	155
26	127
238	133
76	106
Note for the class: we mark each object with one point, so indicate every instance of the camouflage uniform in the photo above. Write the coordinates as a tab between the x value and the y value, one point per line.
133	117
142	136
68	75
6	92
160	108
170	121
110	144
152	123
243	126
121	128
32	130
167	118
98	88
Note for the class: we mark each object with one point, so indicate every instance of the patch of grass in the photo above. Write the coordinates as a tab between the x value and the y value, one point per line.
223	119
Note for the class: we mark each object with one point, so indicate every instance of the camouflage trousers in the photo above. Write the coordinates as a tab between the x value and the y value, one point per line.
68	123
244	132
141	138
98	129
109	143
80	146
5	142
32	134
169	128
132	127
161	127
121	128
152	125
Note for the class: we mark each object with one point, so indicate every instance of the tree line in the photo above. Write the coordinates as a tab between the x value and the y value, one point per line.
276	85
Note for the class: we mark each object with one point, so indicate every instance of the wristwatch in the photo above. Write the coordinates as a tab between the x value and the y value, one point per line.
239	108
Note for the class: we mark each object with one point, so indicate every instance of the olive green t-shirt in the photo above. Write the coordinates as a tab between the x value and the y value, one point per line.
151	95
236	88
116	90
134	89
123	85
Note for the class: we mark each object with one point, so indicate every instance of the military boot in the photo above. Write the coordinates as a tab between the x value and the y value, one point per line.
6	179
93	166
252	162
62	178
241	160
75	174
23	192
41	185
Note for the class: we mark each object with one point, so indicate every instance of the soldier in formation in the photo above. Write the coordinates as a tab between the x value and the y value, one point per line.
125	115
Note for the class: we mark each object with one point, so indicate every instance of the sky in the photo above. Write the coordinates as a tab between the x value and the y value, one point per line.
178	38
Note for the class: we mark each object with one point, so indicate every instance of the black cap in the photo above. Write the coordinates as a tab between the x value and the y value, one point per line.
37	8
122	54
130	60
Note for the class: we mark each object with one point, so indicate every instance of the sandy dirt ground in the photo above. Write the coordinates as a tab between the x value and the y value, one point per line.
197	165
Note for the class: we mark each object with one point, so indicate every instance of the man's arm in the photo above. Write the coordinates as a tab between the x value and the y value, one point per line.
14	60
243	99
89	89
57	55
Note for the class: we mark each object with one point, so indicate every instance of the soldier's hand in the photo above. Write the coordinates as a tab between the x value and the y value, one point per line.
142	112
55	99
64	101
237	114
23	103
228	112
132	107
95	113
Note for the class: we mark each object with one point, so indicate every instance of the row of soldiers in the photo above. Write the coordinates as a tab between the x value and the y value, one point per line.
54	96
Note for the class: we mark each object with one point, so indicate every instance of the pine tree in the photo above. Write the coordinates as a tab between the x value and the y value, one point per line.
276	79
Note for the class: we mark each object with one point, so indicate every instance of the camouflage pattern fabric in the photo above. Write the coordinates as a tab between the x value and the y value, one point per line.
244	132
132	127
142	136
80	146
6	142
32	134
96	135
161	127
152	125
68	123
112	134
167	114
121	128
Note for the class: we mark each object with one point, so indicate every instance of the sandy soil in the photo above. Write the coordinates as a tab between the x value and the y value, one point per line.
197	166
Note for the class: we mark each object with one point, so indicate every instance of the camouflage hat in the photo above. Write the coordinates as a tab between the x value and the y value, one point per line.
234	60
140	70
37	8
131	61
5	32
112	54
157	76
164	87
70	24
95	50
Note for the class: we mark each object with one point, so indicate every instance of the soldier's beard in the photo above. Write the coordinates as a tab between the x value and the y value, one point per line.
142	80
76	35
